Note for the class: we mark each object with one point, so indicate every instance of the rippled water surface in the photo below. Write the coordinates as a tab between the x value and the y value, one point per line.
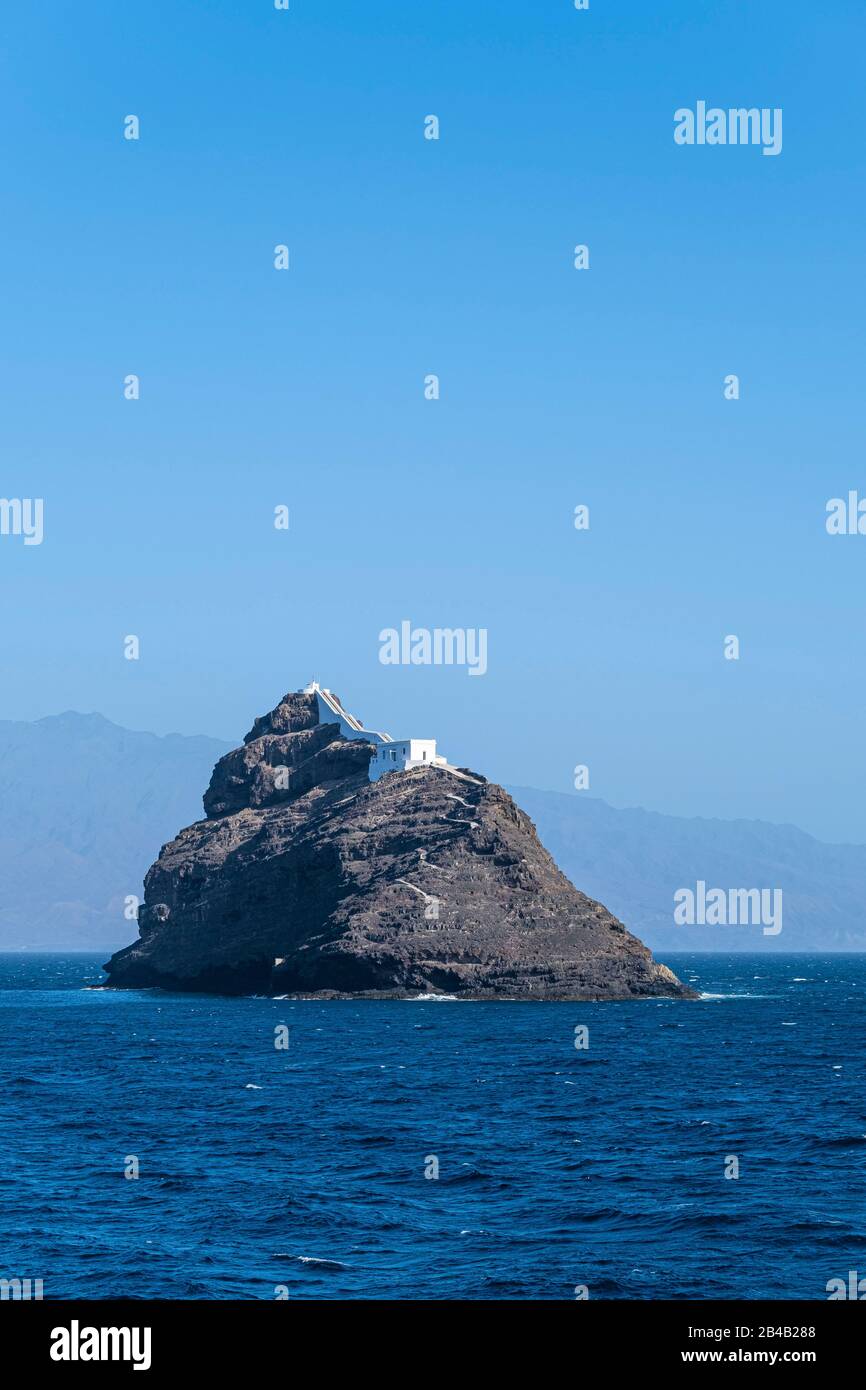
261	1168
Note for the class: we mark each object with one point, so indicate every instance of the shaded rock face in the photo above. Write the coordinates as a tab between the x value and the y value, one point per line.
306	878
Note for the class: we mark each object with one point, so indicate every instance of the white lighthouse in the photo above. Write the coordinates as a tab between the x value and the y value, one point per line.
391	755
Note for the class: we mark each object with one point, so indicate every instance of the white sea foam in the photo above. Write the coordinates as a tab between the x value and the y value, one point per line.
705	995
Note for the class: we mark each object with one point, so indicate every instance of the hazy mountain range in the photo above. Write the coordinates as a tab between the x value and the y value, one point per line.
85	806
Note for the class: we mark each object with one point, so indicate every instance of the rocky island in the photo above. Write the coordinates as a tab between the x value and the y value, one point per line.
315	875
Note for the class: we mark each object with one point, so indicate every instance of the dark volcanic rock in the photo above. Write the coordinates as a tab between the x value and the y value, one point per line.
306	878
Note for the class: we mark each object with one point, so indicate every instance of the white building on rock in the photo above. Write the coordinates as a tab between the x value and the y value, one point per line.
391	755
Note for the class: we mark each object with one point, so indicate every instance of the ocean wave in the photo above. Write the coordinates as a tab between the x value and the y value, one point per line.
840	1141
312	1261
704	994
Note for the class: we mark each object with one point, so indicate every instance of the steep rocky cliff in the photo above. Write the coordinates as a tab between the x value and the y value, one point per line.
306	878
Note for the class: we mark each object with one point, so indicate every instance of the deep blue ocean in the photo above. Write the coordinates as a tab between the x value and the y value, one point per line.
263	1169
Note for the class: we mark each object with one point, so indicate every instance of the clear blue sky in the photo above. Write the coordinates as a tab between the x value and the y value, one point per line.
558	387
